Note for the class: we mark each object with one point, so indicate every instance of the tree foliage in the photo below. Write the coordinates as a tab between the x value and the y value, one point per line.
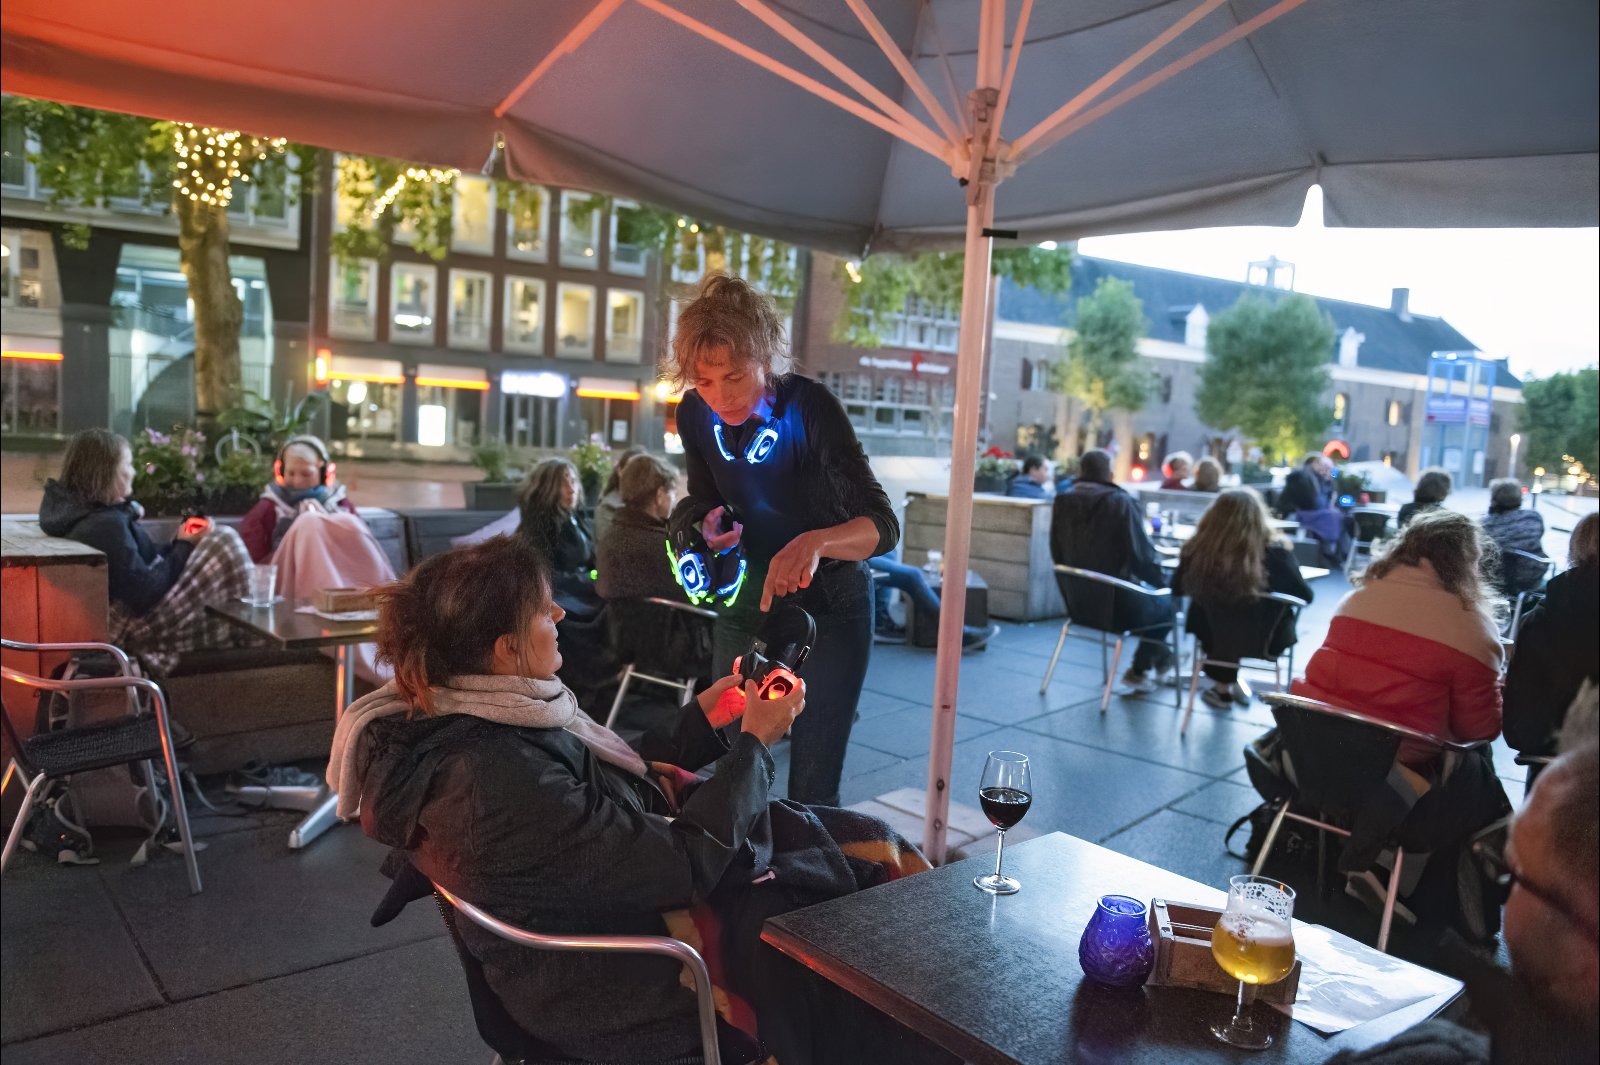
1560	418
1102	369
886	281
1266	372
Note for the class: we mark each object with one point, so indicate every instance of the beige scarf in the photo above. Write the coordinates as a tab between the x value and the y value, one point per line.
523	702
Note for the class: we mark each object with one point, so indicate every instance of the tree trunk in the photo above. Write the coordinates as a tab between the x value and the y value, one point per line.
1122	435
1066	428
218	314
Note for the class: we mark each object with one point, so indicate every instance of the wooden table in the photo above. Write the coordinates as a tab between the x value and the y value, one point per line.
290	629
996	980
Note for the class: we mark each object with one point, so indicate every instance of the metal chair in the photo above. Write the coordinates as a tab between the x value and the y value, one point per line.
63	752
487	1007
1102	612
1337	757
1290	607
630	670
1372	525
1514	621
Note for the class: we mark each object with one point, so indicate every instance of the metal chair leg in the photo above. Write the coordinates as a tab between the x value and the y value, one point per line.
1060	640
622	690
1111	675
1177	668
1272	837
11	770
688	689
180	808
34	786
1389	899
1194	685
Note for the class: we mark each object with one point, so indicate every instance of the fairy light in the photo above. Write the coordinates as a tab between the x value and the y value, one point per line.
210	161
419	174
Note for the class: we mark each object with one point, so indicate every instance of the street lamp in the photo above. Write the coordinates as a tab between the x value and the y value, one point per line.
1516	442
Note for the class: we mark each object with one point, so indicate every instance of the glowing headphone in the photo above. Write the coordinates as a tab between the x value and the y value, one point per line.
325	465
762	444
774	658
703	574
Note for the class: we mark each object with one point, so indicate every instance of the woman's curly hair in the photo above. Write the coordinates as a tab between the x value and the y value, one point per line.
729	313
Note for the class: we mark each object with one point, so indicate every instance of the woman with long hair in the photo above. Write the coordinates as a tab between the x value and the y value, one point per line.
776	470
551	499
1233	558
1433	488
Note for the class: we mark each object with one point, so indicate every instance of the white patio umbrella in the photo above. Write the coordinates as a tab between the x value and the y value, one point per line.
858	125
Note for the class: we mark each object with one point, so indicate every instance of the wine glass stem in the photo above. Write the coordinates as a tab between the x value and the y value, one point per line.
1240	1021
999	853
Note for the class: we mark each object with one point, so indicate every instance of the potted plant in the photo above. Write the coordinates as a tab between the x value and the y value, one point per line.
994	471
498	489
594	469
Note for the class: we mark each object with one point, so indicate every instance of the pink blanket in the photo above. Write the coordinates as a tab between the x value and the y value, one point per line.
323	550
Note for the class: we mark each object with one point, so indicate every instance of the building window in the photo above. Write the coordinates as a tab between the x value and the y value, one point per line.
629	243
524	315
580	230
527	229
353	299
1341	409
625	325
1392	412
1027	375
30	393
575	321
411	302
469	308
14	156
472	222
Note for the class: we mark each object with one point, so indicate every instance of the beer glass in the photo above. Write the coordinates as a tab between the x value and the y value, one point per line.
1254	943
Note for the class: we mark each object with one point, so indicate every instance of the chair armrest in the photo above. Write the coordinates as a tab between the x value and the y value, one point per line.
688	608
1286	599
1534	759
110	649
1114	582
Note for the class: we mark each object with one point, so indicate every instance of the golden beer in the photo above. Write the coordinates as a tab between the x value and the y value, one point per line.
1254	947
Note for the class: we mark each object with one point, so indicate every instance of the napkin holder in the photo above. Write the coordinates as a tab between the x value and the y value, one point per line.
1182	935
344	600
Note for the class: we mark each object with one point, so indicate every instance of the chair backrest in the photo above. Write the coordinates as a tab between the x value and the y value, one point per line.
1371	523
660	635
496	1027
1259	624
1523	571
1339	756
1092	597
125	681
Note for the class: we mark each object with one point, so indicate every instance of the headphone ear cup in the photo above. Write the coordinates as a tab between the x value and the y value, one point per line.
277	471
327	473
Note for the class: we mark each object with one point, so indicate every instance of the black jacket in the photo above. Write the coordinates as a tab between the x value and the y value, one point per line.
633	560
530	826
1555	654
1100	527
1232	630
1302	490
139	573
567	541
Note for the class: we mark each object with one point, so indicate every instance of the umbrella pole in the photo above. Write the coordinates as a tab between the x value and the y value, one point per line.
958	512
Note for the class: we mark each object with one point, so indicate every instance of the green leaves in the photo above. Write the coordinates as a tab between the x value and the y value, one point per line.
1561	420
1267	371
1102	370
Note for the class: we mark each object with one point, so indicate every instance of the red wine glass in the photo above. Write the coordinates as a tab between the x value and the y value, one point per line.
1005	793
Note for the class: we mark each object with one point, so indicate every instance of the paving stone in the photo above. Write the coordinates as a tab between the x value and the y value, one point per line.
1147	728
1222	802
906	823
962	818
908	732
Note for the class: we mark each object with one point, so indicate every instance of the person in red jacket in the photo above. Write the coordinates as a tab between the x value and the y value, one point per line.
302	479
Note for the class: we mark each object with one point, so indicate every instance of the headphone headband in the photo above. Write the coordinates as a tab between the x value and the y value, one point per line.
317	447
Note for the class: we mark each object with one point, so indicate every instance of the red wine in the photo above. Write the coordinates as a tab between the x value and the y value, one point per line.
1004	806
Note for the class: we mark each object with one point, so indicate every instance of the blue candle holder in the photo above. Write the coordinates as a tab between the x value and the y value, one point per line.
1116	948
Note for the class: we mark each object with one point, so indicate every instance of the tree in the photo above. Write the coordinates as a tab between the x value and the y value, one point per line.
87	157
1266	372
1102	369
1561	420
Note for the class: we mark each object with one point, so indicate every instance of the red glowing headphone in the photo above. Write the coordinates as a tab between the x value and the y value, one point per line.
325	465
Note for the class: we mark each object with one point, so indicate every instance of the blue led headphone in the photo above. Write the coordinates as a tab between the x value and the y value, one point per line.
759	446
703	574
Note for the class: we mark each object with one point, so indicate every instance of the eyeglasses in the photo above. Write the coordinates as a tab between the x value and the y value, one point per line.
1498	870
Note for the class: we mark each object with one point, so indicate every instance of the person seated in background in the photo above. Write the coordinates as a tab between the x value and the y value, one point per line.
158	594
1175	471
1097	526
1233	557
1556	649
1514	527
1546	1010
476	765
1034	482
1433	487
1207	476
910	582
1066	473
1308	497
551	501
1416	644
611	495
631	561
302	481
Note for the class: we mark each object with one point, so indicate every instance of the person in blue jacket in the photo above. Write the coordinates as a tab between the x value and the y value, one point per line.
1034	482
775	469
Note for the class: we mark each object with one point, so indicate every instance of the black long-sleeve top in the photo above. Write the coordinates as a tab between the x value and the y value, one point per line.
1099	527
816	476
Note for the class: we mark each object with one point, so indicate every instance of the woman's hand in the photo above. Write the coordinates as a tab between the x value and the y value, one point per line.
792	568
769	720
718	711
711	529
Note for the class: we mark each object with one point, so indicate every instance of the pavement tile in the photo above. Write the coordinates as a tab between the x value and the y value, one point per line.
1223	802
963	818
906	823
1147	728
859	759
1182	844
908	732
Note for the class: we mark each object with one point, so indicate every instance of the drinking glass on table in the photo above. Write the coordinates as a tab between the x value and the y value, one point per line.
263	583
1005	793
1254	943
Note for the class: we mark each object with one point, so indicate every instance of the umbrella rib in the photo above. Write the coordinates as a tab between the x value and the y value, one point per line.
569	44
839	69
788	73
908	73
1011	73
1177	66
1043	130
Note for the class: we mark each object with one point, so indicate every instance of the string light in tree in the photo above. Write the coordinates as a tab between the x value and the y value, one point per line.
210	160
419	174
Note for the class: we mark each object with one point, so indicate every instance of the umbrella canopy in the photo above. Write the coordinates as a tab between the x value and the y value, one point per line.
890	124
1427	113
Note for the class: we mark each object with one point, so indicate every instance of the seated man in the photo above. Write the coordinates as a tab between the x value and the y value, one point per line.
1033	482
909	581
1176	469
1097	526
302	481
1547	1010
1514	527
1308	496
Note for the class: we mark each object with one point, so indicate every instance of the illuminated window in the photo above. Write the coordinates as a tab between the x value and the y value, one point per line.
625	325
1341	405
353	296
628	240
580	230
469	308
575	321
472	226
411	303
526	227
524	315
1392	412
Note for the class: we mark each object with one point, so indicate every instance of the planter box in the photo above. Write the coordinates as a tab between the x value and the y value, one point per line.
996	485
1009	548
490	495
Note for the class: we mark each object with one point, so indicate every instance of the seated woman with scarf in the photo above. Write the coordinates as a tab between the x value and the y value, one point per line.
476	764
302	481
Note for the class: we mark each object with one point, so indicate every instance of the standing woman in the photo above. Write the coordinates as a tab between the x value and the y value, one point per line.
777	450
